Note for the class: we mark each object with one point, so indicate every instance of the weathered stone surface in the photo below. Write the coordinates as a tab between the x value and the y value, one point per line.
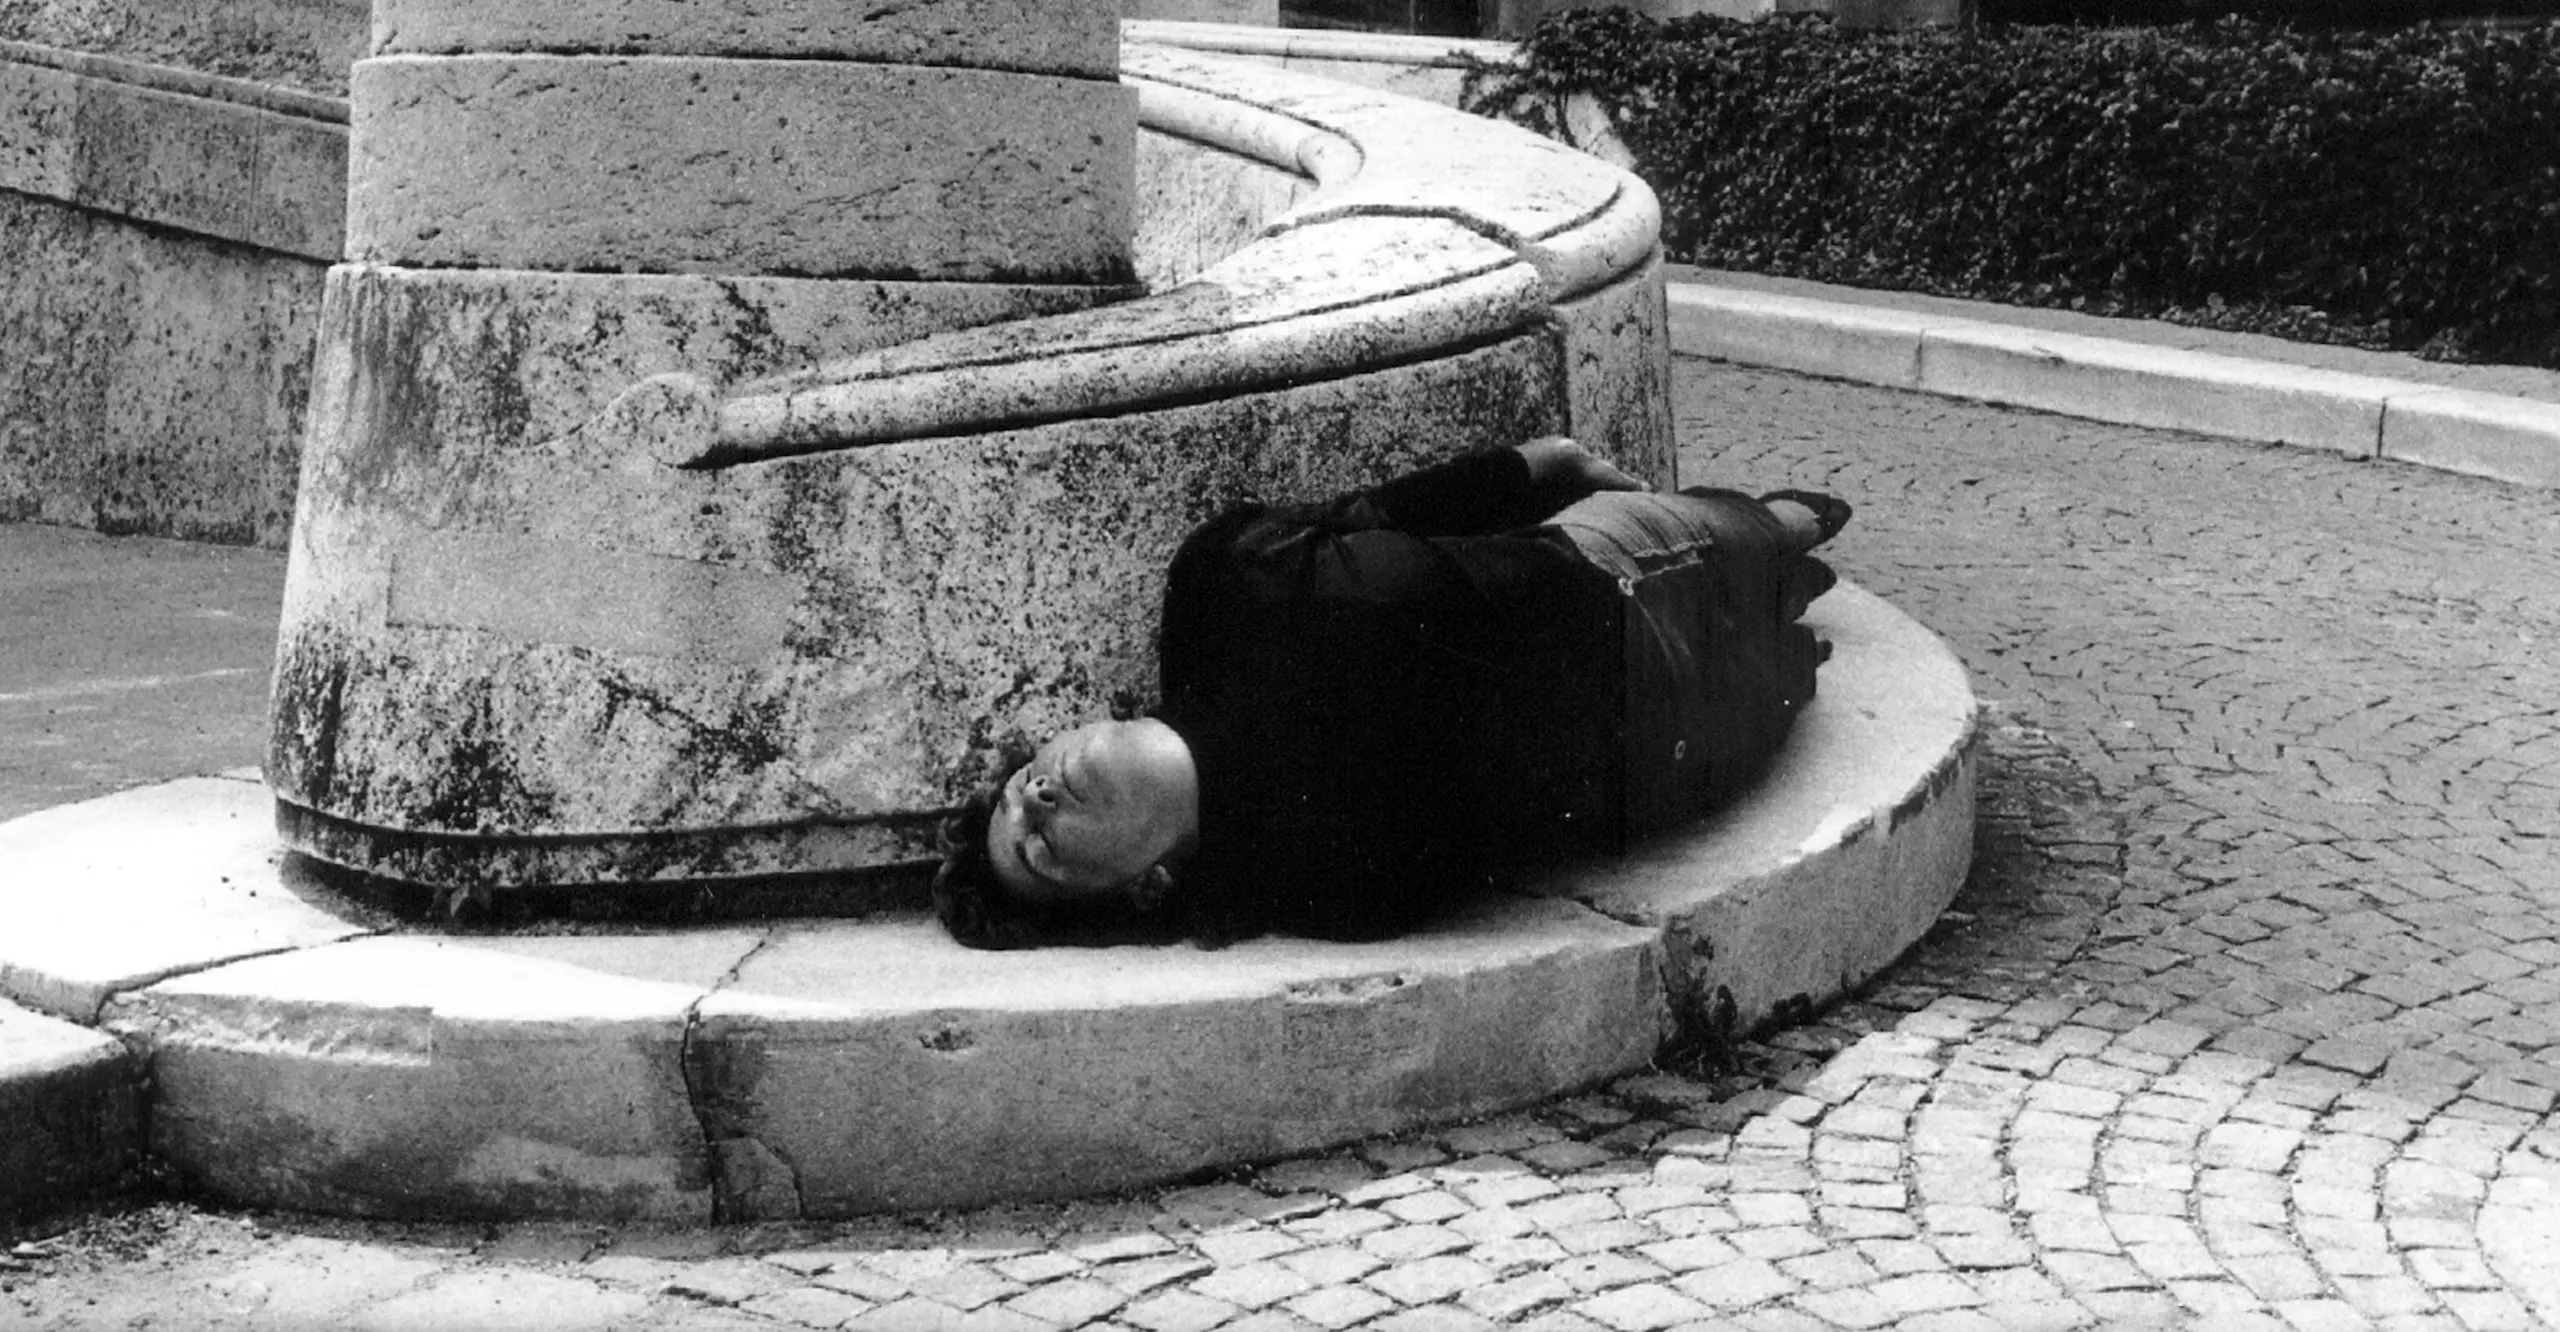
1617	357
301	44
409	1076
1582	221
1793	333
893	1069
950	598
686	164
152	382
1202	204
1070	37
72	1101
457	363
208	165
91	909
2520	1231
2484	434
1314	303
2162	387
1841	856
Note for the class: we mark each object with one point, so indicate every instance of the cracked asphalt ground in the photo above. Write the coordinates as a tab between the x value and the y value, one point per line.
2246	1018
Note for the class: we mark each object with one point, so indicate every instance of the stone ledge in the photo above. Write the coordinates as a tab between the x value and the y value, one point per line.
875	1066
1070	37
834	1067
184	82
116	893
1316	43
1842	856
2494	435
71	1099
2482	434
213	156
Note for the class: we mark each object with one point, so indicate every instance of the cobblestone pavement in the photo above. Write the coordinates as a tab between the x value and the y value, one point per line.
2246	1020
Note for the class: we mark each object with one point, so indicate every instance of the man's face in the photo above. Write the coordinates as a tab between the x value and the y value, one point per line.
1093	811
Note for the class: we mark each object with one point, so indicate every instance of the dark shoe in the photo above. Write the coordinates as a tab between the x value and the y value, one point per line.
1805	584
1830	512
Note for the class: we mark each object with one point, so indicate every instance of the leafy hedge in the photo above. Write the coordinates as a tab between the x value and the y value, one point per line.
2395	188
2303	13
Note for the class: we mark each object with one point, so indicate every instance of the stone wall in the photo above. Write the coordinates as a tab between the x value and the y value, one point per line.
301	44
164	234
153	382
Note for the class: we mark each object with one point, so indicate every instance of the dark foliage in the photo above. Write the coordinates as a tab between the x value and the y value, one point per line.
2298	13
2393	188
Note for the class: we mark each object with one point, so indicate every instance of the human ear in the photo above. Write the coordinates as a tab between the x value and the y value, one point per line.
1149	890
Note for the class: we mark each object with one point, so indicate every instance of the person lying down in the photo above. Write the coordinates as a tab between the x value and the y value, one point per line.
1381	704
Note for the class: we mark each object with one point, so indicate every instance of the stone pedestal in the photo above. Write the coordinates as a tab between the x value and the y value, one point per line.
516	648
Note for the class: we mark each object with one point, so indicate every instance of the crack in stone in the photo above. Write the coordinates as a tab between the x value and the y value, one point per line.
750	1181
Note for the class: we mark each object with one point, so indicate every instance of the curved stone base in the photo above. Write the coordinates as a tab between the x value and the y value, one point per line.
306	1058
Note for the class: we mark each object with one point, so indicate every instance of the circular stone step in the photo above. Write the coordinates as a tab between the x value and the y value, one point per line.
824	1068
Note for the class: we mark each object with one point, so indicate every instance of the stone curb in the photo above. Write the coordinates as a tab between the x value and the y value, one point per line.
301	1058
71	1099
2490	435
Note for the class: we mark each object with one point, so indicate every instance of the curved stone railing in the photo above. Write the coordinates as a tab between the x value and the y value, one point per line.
1364	273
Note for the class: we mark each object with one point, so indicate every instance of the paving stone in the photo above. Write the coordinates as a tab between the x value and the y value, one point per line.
1177	1311
1604	1271
1831	1269
1339	1306
1429	1279
1404	1244
1116	1248
1736	1285
2084	1273
1641	1308
1252	1285
966	1286
1689	1253
1329	1266
1432	1318
1428	1206
499	1301
1139	1275
809	1306
1068	1303
1514	1296
1774	1242
734	1281
1236	1247
1851	1307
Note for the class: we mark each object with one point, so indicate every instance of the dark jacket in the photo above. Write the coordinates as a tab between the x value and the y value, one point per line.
1393	695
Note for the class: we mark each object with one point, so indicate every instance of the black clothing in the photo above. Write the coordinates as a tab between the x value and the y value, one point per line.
1389	695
